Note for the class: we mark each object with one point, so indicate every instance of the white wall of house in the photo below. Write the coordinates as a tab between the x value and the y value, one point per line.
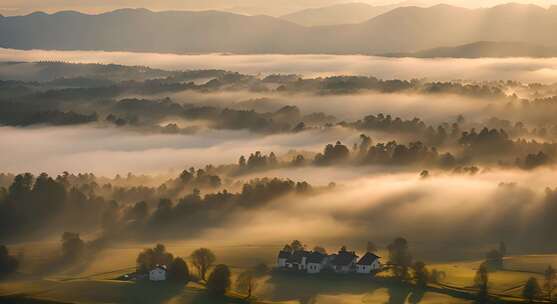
376	265
281	262
365	269
303	264
157	274
314	267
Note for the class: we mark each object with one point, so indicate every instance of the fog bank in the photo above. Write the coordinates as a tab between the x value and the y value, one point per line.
519	69
108	152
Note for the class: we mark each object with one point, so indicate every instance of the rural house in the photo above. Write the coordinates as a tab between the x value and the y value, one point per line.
368	263
298	260
344	261
313	262
316	262
282	258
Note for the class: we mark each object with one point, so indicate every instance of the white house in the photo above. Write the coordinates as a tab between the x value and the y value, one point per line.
158	273
344	261
368	264
313	262
316	261
297	260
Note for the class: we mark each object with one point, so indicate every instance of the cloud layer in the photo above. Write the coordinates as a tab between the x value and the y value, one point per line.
520	69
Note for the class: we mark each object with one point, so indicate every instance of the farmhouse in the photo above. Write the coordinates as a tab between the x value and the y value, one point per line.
344	261
368	263
316	262
283	256
313	262
298	260
158	273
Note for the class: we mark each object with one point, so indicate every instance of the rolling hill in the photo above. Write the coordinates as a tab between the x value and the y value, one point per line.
484	49
405	29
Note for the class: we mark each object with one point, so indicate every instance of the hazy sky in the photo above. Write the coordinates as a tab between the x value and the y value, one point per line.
275	7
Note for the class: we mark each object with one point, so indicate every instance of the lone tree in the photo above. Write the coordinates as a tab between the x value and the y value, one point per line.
495	259
320	249
481	281
219	280
202	259
531	290
73	246
550	275
503	249
297	245
421	274
178	271
400	258
246	282
287	248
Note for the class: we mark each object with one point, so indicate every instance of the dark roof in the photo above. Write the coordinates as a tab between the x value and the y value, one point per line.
316	257
344	258
284	254
161	267
297	256
368	259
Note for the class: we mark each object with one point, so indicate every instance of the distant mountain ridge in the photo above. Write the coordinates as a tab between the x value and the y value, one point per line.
402	30
483	49
344	13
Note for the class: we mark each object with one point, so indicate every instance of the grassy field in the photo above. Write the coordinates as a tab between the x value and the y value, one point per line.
509	281
93	282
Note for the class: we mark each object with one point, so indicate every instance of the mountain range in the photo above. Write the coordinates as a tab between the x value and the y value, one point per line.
344	13
483	49
401	30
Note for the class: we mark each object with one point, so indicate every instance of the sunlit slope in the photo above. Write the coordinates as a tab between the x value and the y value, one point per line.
95	284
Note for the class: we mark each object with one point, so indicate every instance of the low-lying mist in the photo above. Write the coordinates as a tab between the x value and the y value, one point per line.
519	69
440	215
106	151
430	108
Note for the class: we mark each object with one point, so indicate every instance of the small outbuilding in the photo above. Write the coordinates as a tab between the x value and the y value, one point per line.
158	273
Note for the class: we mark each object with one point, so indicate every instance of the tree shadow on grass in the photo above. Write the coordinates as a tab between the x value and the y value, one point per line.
305	288
204	298
153	292
114	292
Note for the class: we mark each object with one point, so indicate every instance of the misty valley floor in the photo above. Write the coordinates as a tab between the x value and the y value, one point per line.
95	283
242	154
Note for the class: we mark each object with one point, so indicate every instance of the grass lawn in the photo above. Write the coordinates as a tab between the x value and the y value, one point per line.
517	270
92	282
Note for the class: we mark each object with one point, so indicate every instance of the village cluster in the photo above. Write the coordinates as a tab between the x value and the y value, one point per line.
313	262
300	260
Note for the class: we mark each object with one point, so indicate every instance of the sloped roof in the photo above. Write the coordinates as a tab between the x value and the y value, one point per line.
159	267
297	256
344	258
316	257
368	259
284	254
